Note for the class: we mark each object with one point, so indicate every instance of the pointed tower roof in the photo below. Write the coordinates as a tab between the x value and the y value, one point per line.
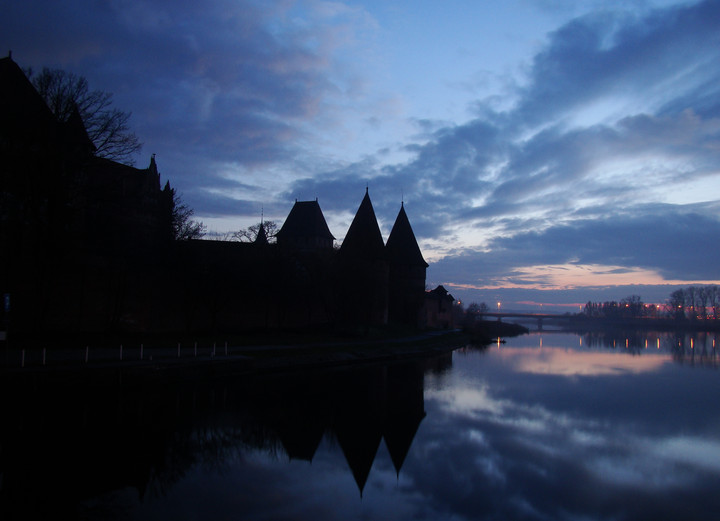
363	239
153	165
305	229
399	435
261	236
359	442
402	247
305	219
24	112
76	133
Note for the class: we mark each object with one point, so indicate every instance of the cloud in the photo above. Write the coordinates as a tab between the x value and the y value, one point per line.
551	156
604	152
222	82
672	240
649	250
648	58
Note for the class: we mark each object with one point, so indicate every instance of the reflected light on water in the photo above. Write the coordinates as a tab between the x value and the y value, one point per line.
558	361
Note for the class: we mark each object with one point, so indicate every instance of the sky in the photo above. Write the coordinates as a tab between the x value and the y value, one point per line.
547	152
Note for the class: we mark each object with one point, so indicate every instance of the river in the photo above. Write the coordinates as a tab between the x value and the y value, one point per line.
545	426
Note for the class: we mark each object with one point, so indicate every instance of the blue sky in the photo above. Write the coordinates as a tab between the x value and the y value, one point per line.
547	151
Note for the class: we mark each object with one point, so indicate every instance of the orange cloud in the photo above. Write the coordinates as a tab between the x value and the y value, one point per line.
574	276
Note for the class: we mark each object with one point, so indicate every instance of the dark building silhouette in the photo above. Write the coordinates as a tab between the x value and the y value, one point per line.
75	229
87	247
363	270
407	272
305	229
437	310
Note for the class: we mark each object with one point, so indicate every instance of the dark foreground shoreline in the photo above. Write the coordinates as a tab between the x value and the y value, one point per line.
137	363
163	365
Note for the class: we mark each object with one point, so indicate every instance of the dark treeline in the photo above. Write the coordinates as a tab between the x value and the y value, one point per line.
695	303
690	303
628	307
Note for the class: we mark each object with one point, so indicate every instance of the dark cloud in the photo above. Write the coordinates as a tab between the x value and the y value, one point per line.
603	55
678	243
216	82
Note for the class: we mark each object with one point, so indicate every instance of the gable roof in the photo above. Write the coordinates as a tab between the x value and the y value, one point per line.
439	293
305	220
402	247
24	113
363	239
27	118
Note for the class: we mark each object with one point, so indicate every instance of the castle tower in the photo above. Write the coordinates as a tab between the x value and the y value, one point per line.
406	272
305	229
363	239
363	270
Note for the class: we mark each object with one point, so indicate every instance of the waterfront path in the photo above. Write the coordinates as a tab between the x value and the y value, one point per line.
185	360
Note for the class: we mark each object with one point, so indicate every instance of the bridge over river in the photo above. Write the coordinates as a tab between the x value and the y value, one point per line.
540	318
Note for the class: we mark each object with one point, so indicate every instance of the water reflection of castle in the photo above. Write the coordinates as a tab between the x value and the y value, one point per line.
150	437
364	408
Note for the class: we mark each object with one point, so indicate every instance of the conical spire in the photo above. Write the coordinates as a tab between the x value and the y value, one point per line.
363	239
261	236
402	247
76	131
153	165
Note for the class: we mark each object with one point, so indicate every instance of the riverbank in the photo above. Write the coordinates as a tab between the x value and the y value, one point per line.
140	364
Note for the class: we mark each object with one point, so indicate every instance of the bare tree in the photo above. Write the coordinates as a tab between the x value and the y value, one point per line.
184	226
107	127
250	233
691	296
677	303
703	295
631	306
713	300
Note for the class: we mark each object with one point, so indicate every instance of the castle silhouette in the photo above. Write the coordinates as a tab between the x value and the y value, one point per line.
87	247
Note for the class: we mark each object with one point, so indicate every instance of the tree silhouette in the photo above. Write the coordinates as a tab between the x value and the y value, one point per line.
250	233
107	127
184	226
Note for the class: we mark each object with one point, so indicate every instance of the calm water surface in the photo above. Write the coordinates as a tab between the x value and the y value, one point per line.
546	426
